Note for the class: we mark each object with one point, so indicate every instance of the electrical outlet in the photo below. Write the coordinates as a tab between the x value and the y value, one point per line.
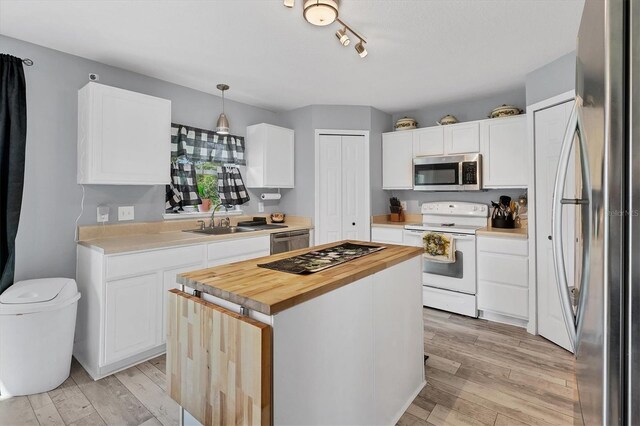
125	213
103	214
261	207
403	204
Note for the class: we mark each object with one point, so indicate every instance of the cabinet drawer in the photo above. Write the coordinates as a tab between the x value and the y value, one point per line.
514	246
123	265
504	269
386	235
503	299
261	246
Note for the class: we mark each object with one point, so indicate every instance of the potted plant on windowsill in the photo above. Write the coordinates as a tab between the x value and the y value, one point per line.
207	189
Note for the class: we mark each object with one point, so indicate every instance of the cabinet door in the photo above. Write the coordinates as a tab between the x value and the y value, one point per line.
223	252
279	158
124	137
397	160
169	283
505	153
132	316
462	138
386	235
428	141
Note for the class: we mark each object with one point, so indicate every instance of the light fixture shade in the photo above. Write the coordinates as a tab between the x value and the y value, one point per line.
289	3
361	49
343	37
320	12
222	126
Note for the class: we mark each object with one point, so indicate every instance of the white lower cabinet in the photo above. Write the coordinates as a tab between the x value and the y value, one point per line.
131	321
382	234
503	279
230	251
122	313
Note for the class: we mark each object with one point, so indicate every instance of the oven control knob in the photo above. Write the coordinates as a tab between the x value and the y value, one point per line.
475	208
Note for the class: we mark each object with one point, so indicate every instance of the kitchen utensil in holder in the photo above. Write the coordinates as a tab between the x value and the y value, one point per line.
502	216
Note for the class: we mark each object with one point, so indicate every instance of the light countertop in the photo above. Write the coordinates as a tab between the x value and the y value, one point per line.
382	221
489	231
269	291
114	239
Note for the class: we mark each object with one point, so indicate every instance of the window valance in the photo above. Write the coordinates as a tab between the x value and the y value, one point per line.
196	145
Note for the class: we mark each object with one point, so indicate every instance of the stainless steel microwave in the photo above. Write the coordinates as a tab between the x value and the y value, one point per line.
448	173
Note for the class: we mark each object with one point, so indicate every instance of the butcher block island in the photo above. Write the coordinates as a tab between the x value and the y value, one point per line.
250	344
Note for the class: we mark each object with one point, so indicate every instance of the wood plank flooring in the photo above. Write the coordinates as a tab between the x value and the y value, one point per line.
484	373
478	373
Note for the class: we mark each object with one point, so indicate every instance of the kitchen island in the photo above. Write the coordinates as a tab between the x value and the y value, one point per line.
340	346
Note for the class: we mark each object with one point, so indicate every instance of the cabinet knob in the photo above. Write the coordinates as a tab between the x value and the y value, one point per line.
549	237
353	223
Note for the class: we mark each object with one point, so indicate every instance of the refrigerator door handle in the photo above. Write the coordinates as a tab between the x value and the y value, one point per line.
574	128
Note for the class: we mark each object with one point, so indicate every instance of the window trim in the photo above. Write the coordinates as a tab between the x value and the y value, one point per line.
199	215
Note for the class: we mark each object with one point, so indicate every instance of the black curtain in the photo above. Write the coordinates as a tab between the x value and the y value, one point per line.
13	136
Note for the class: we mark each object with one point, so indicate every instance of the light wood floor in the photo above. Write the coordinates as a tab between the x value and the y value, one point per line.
478	373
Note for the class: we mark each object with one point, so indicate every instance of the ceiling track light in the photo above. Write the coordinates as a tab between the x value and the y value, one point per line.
362	51
343	37
325	12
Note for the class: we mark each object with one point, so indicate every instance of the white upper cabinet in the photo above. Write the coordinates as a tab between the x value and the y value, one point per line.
462	138
269	151
124	137
428	141
505	152
397	160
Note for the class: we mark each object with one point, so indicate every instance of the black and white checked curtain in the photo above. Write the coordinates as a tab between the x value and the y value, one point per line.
205	145
190	145
231	188
183	189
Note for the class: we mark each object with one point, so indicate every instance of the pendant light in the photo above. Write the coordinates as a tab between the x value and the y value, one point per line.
222	126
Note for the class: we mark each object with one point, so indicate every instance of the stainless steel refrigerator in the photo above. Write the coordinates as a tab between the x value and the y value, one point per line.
603	132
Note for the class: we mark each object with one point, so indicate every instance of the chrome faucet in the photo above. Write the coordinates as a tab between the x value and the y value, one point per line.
226	220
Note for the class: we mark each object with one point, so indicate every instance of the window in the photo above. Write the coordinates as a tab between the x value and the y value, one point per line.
204	172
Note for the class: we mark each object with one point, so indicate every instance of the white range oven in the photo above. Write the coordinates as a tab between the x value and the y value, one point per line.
450	286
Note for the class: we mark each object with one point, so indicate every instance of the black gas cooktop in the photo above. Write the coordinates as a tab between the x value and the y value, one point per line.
315	261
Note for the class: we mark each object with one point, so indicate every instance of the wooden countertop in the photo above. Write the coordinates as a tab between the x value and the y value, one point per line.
270	292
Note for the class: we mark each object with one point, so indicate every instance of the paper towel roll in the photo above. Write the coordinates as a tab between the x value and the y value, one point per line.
270	196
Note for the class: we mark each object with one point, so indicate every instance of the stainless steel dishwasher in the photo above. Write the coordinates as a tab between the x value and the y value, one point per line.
290	240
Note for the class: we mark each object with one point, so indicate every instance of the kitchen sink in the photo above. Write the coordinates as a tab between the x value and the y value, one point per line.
220	230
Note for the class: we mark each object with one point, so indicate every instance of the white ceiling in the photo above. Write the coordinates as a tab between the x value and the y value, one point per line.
421	52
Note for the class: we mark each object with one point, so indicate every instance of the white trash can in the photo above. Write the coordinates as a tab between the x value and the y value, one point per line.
37	324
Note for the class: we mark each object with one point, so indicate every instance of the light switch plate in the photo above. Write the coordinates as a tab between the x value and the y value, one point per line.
125	213
103	214
403	204
261	207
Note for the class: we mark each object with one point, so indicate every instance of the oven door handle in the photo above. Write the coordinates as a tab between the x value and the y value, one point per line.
454	236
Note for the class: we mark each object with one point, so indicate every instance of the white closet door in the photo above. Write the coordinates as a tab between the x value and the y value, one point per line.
354	212
330	189
550	125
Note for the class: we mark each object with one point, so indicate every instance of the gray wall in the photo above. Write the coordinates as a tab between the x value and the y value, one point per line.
415	199
301	199
45	244
552	79
466	109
